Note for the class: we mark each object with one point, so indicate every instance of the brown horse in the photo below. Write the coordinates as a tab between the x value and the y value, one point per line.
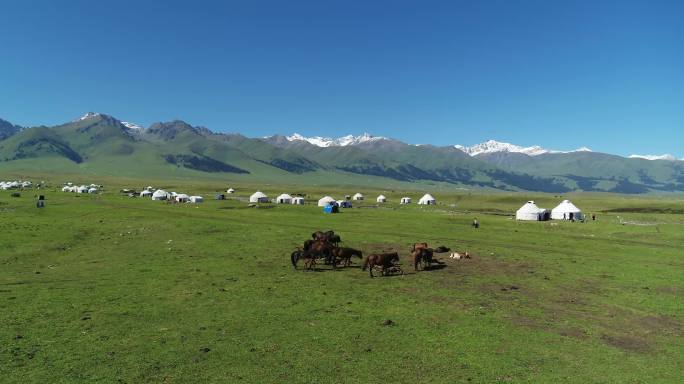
383	260
308	257
422	256
328	236
345	254
418	246
323	249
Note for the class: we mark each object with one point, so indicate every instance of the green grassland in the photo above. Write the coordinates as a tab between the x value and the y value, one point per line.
106	288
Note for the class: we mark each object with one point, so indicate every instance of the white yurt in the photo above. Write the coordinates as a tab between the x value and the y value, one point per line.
405	200
284	199
325	201
531	212
146	193
92	190
160	194
358	196
149	188
258	197
182	198
195	199
66	189
74	189
82	189
381	199
230	190
566	210
298	200
427	199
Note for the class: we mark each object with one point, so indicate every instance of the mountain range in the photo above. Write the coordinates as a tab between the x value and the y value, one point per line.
101	144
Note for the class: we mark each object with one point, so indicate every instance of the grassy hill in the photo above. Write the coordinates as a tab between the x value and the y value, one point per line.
102	144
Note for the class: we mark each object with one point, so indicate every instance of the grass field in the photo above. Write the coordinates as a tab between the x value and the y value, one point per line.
105	288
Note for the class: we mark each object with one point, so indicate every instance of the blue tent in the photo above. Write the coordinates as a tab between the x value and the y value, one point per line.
330	208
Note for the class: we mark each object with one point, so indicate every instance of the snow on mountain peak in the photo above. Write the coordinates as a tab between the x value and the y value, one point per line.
654	157
335	142
492	146
88	116
132	126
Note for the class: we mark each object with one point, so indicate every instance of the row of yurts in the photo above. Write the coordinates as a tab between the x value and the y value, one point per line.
260	197
566	210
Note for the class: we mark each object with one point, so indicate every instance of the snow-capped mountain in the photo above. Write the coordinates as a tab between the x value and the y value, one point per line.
654	157
132	126
493	146
336	142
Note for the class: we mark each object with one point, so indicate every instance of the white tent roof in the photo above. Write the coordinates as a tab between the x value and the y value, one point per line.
529	211
357	196
426	198
284	196
326	200
298	198
382	197
258	195
196	199
565	207
159	193
146	193
182	196
230	190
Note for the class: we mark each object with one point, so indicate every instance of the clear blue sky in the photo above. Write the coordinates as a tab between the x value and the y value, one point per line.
561	74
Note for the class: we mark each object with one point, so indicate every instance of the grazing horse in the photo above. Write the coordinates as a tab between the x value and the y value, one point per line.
308	257
383	260
345	254
421	256
323	249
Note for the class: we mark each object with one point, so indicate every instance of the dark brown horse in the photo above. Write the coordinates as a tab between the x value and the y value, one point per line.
422	256
300	254
344	255
328	236
384	261
323	249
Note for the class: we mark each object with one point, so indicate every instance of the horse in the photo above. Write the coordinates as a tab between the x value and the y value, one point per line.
320	235
308	257
345	255
323	249
328	236
421	256
383	260
418	246
442	249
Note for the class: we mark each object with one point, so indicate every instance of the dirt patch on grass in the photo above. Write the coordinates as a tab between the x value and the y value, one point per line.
627	343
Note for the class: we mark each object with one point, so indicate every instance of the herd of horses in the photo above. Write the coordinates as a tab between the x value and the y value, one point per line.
325	246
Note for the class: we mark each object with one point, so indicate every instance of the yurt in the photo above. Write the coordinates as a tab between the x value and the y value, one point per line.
566	210
82	189
230	190
405	200
381	199
427	199
160	194
195	199
258	197
66	189
92	190
146	193
358	196
327	200
173	194
298	200
182	198
531	212
345	204
284	199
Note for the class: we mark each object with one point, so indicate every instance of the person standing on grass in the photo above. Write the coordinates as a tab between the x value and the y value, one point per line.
476	223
